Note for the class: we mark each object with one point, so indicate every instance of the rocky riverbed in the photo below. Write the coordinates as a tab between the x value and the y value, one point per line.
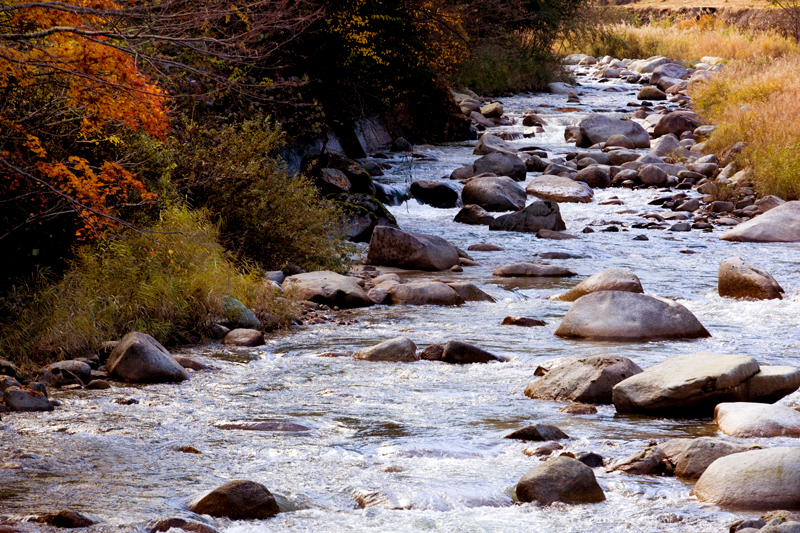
368	443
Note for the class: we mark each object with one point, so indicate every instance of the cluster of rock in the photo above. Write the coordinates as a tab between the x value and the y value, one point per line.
403	350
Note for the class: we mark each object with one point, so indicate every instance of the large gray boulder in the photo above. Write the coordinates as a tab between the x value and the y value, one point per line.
538	215
780	224
691	457
24	400
494	193
422	293
559	189
597	128
488	144
404	249
532	270
238	500
586	380
397	350
693	384
757	479
738	279
328	288
562	479
139	358
613	279
627	316
501	164
746	419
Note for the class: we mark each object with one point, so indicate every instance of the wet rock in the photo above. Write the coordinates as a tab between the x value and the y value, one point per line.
166	524
139	358
652	175
780	224
244	337
7	368
24	400
561	479
6	382
578	409
435	193
522	321
586	380
543	449
65	518
236	315
538	215
423	293
66	373
328	288
404	249
191	364
494	109
597	128
98	384
665	145
533	270
381	499
626	316
613	279
474	215
397	350
470	292
619	141
738	279
461	353
691	457
590	459
501	164
363	213
488	144
432	353
555	235
238	500
757	479
538	432
677	122
651	93
280	426
559	189
648	462
745	419
494	193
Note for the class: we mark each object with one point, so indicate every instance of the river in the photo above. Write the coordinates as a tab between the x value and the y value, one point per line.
427	436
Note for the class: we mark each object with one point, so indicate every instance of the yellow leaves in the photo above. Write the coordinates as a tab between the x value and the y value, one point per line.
35	145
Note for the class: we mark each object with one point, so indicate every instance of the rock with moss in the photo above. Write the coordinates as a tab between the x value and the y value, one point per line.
362	214
236	315
350	176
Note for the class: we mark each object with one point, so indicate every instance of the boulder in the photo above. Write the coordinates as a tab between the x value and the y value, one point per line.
627	316
538	432
404	249
533	270
474	215
522	321
238	500
648	462
7	368
620	141
652	175
691	457
436	193
757	479
562	479
328	288
423	293
6	382
665	145
461	353
668	70
244	337
595	176
470	292
745	419
432	353
677	122
494	109
501	164
544	214
363	213
139	358
770	384
738	279
236	315
66	373
651	93
597	128
65	518
586	380
494	193
397	350
780	224
613	279
559	189
25	400
492	143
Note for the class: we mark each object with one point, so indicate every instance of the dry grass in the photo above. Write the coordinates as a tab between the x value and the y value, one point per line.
758	103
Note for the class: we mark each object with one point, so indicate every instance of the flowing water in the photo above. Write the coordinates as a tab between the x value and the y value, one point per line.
427	437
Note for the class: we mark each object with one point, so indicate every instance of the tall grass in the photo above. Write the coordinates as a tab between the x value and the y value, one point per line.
170	284
494	69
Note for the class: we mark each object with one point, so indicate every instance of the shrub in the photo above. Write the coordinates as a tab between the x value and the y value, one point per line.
493	68
169	282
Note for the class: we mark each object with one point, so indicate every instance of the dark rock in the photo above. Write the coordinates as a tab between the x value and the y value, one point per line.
494	193
595	177
533	270
501	164
457	352
66	373
24	400
397	350
179	523
98	384
648	462
538	215
394	247
561	479
65	519
474	215
7	368
539	432
485	247
362	214
435	193
590	459
432	353
191	364
522	321
597	128
244	337
280	426
236	315
677	122
238	500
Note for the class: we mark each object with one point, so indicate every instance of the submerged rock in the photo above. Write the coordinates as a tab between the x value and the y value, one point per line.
457	352
397	350
65	518
25	400
538	432
238	500
533	270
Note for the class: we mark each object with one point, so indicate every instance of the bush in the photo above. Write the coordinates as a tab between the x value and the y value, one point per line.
493	68
168	282
266	215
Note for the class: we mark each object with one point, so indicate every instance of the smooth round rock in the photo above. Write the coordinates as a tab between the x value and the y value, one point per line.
738	279
395	247
244	337
139	358
397	350
746	419
533	270
462	353
328	288
559	189
238	500
612	279
494	193
561	479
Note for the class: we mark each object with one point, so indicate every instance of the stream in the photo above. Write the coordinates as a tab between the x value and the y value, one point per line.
425	436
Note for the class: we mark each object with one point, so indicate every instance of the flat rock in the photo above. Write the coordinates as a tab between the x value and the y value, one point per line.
494	193
244	337
485	247
757	479
780	224
266	425
559	189
613	279
139	358
238	500
423	293
562	479
328	288
538	215
538	432
586	380
397	350
394	247
462	353
738	279
533	270
745	419
691	457
627	316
